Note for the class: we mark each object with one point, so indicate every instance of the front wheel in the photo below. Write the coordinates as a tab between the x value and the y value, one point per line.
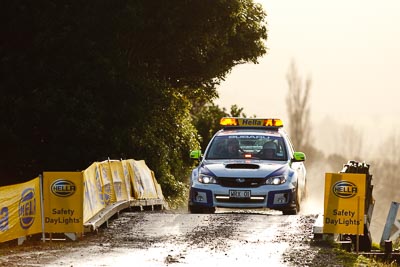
197	209
209	210
293	211
194	209
289	212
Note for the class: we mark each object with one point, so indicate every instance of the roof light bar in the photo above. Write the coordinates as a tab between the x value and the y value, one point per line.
245	122
228	121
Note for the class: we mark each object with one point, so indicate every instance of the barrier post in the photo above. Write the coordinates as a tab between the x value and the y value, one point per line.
394	206
42	206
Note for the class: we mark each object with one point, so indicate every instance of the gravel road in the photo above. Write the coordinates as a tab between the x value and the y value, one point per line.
177	238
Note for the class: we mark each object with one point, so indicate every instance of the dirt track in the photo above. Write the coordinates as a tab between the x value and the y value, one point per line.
171	238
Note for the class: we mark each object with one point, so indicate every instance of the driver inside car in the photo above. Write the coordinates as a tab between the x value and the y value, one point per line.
233	148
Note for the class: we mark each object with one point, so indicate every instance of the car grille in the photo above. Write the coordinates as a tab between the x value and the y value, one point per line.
253	200
241	182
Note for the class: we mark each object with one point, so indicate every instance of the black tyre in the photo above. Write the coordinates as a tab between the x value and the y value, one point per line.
209	210
194	209
206	210
295	210
289	212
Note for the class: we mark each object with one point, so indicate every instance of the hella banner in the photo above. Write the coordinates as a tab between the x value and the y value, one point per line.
93	199
107	182
142	180
344	203
63	198
20	210
118	177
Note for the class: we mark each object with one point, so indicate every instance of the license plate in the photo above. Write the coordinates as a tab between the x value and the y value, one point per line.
240	193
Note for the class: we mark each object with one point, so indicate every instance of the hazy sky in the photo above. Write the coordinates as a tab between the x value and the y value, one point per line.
350	49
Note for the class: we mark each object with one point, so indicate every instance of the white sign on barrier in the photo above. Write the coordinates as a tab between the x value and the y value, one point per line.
390	223
396	234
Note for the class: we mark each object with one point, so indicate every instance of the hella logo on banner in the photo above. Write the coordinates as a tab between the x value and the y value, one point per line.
27	208
63	188
345	189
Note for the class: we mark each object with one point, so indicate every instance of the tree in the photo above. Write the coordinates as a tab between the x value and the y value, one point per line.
349	142
386	166
298	107
237	112
87	80
206	119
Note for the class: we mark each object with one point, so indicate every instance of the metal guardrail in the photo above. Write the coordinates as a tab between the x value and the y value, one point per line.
114	209
365	240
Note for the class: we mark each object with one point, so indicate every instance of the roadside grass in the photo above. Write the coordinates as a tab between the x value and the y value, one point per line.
331	255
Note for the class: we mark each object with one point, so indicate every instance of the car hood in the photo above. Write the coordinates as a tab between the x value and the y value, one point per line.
244	168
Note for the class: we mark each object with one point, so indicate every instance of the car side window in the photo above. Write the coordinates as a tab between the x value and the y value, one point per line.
290	146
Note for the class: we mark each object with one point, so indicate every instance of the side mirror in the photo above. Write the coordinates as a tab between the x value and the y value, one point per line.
195	154
299	156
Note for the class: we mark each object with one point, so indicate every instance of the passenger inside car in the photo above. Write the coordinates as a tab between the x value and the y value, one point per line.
268	151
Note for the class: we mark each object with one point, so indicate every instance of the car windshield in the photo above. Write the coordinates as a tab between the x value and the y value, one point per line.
262	147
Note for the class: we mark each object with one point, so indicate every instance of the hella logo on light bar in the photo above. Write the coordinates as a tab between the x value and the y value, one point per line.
345	189
63	188
251	122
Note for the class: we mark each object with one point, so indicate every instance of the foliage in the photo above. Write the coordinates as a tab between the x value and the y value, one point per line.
237	112
206	121
207	118
87	80
330	252
164	138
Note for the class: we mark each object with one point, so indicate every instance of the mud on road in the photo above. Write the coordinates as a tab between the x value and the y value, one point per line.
172	238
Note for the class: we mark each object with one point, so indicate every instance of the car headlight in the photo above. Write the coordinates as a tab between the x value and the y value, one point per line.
207	179
276	180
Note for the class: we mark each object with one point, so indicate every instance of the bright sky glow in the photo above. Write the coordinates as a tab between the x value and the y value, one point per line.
349	49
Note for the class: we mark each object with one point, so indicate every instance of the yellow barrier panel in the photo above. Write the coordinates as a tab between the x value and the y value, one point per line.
344	203
108	188
20	210
143	185
127	179
70	199
63	198
117	174
136	182
93	198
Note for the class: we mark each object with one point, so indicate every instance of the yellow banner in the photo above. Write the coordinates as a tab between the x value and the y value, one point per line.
344	203
142	180
63	202
106	178
127	179
137	184
93	199
20	210
118	180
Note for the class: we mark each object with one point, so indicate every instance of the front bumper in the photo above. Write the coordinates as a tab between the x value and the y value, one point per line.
272	197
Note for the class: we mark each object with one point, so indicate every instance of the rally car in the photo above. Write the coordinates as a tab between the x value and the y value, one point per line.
250	163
